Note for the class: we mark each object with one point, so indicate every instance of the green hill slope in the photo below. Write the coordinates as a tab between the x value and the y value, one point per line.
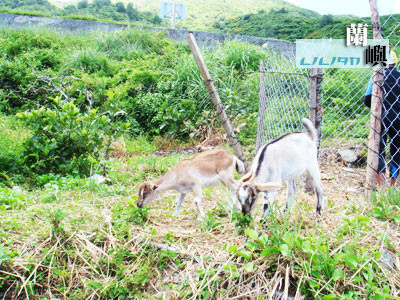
201	15
292	24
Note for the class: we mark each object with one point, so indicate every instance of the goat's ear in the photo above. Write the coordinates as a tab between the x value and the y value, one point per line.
155	187
269	187
245	178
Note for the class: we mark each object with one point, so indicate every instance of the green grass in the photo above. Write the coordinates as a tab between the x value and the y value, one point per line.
12	136
386	205
72	228
139	145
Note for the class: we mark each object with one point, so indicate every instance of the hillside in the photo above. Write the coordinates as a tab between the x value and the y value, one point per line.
94	10
202	14
287	24
65	234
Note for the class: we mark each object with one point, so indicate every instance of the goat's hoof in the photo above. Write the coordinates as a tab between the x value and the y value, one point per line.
319	213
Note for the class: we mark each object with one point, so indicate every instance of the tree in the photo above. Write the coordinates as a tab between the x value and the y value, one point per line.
325	20
120	7
133	14
82	4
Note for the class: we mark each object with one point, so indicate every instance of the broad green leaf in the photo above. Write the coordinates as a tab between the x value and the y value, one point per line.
244	253
379	297
306	246
329	297
232	249
235	274
351	262
251	234
338	274
249	267
284	249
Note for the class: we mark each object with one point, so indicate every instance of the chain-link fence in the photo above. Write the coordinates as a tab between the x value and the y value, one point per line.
344	116
389	144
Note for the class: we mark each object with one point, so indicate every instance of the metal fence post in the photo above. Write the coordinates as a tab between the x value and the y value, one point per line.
215	98
376	112
262	106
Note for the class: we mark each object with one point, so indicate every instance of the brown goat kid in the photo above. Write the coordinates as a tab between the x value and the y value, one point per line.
203	170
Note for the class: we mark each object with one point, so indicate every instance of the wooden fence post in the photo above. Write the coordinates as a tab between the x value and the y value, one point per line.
376	112
215	97
315	113
261	107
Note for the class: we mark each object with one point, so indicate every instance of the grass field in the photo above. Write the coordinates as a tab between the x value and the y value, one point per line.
76	239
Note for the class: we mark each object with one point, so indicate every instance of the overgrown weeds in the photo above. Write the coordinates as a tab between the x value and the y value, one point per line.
386	205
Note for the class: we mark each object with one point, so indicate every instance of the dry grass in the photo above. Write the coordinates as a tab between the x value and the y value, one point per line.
60	264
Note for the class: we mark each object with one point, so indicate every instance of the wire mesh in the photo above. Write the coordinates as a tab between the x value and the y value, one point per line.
344	115
345	118
389	146
286	101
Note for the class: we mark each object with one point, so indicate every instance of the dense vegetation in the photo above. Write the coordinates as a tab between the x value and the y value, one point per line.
97	9
201	14
136	78
64	101
290	25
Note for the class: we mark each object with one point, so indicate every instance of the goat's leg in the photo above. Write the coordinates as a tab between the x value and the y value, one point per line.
197	200
231	183
315	174
269	199
178	204
291	194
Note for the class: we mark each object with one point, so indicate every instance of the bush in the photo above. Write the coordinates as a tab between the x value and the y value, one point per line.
65	140
12	136
18	42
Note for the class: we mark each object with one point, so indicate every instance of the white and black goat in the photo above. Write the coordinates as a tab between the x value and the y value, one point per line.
203	170
285	158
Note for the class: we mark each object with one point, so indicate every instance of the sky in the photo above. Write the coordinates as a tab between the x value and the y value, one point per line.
358	8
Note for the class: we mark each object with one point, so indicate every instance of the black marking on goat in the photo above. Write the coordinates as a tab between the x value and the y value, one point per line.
260	160
265	207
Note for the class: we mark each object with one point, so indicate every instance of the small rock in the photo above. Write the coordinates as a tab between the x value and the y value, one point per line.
348	155
350	170
351	190
386	260
17	189
98	178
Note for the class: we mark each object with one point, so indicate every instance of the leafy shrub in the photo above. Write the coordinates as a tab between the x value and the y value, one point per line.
12	136
65	140
10	199
18	42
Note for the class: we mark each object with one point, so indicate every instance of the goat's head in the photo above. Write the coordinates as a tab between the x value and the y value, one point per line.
247	194
147	192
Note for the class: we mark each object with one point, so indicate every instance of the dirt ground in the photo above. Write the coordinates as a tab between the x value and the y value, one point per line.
344	196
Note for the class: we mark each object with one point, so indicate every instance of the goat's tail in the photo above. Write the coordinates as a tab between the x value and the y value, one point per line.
239	166
310	130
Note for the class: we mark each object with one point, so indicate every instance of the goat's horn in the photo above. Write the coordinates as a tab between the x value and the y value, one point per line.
269	187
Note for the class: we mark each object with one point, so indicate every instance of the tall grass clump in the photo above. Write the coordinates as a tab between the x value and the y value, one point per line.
12	137
90	61
131	44
242	56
